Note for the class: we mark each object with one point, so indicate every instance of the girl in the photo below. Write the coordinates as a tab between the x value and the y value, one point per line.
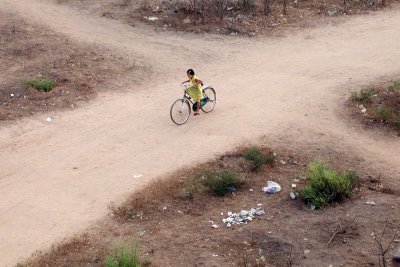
196	91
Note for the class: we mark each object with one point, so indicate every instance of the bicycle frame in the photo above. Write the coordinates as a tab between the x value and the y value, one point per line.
186	95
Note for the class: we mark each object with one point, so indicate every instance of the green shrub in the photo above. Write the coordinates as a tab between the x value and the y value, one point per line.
397	122
123	257
354	96
43	85
394	86
219	182
383	113
247	5
364	96
326	186
258	158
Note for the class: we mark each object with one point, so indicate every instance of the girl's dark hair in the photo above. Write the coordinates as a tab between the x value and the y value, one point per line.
190	71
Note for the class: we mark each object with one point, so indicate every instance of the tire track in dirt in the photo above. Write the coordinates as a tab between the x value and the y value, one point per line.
58	178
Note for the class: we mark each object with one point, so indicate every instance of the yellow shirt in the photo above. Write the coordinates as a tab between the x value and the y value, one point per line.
193	81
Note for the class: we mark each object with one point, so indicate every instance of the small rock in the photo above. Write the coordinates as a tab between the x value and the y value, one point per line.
292	195
294	186
307	251
48	119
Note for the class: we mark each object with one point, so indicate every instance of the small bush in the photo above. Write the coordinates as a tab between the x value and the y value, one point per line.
383	113
220	182
123	257
246	5
43	85
124	211
397	122
326	186
364	96
258	158
394	86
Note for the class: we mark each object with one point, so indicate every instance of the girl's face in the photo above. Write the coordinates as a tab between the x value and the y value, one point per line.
189	75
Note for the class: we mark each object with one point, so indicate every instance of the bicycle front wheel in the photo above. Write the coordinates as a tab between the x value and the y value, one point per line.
210	99
180	111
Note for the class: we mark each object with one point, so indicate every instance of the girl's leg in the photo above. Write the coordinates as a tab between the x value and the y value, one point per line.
198	108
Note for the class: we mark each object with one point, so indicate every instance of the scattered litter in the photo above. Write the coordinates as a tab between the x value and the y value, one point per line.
271	188
259	204
292	195
269	232
283	162
296	180
164	208
186	21
371	203
307	251
251	190
213	225
151	18
242	217
294	186
332	13
215	255
231	189
48	119
364	110
11	94
312	207
137	175
361	106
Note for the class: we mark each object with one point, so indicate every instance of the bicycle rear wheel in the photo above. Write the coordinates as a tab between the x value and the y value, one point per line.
210	99
180	111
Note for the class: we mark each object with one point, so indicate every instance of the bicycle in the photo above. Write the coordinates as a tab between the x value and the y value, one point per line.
182	108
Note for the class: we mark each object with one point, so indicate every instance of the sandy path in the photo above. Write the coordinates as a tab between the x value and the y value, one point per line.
56	178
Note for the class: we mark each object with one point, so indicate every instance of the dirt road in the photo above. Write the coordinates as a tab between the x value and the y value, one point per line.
57	178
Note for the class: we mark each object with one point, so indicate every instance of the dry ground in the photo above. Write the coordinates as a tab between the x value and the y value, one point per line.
29	52
63	175
172	228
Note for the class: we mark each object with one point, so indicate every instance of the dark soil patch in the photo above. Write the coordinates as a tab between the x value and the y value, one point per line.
29	52
378	106
174	229
235	18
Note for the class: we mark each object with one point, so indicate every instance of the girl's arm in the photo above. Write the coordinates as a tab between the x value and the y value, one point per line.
186	81
197	82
